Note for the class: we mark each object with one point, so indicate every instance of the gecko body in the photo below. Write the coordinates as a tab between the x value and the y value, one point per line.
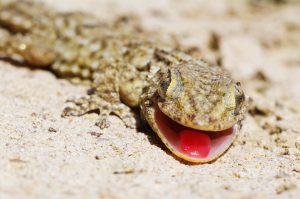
194	108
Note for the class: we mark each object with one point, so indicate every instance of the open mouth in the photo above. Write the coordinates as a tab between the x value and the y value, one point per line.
191	144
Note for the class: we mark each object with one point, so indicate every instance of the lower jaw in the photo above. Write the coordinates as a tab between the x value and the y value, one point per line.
192	145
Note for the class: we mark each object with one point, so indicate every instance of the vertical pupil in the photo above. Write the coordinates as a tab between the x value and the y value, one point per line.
239	98
164	83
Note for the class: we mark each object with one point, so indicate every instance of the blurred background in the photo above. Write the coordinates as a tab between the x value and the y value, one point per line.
258	42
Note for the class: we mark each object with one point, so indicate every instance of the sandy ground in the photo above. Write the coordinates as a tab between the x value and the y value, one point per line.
45	156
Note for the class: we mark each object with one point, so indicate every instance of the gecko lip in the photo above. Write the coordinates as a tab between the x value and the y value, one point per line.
192	145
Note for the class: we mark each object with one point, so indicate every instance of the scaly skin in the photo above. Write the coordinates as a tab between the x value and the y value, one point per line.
123	67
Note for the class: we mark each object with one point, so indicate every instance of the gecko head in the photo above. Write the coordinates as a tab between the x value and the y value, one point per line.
196	110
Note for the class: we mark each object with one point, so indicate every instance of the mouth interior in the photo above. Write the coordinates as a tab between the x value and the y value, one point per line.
193	143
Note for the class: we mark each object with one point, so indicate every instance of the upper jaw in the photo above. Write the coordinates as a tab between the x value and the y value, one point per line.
192	121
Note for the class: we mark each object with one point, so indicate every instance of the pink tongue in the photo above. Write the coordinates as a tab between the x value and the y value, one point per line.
194	143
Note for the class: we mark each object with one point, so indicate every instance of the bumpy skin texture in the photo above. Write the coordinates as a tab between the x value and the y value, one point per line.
124	66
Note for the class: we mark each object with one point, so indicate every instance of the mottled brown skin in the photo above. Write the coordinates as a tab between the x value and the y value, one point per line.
124	67
197	96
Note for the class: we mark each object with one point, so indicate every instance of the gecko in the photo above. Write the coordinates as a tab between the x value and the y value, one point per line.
195	109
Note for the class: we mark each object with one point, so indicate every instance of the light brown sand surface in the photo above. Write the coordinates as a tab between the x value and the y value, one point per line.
45	156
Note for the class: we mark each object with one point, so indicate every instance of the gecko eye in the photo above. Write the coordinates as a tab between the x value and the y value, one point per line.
164	82
239	98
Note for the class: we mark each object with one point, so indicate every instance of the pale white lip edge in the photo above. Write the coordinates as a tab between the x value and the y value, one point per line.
213	154
226	144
